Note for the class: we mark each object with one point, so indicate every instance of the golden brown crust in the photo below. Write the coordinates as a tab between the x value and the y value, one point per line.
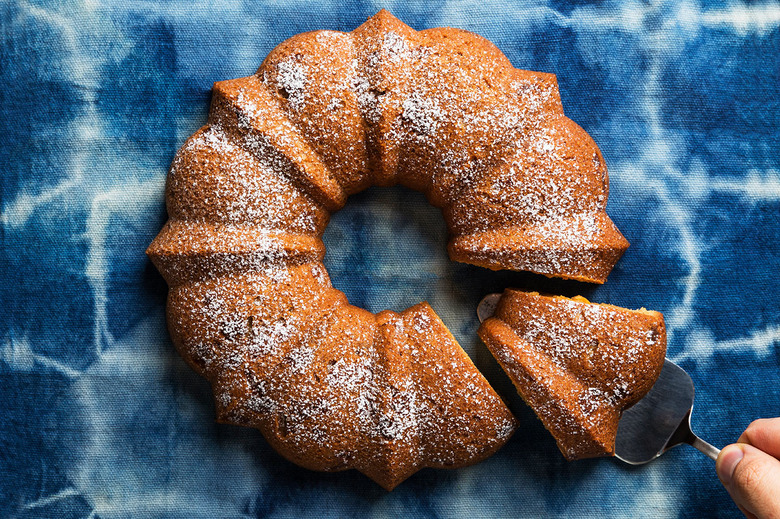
330	111
327	114
577	364
254	119
332	386
580	247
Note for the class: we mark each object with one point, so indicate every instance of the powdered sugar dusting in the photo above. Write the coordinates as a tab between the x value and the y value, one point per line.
598	342
214	179
367	97
252	306
291	78
400	418
578	364
267	335
395	46
423	114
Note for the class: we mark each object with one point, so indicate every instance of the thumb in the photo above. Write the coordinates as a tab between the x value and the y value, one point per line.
752	478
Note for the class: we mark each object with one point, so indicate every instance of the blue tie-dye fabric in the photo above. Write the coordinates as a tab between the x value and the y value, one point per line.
99	417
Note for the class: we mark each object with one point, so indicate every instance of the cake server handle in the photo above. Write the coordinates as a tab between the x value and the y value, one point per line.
684	434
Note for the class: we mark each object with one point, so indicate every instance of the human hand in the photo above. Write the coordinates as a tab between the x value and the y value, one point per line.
750	469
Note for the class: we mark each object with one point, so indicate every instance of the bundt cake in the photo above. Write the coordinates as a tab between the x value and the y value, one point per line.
576	363
327	114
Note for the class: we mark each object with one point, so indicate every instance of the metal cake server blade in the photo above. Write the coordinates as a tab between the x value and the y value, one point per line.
659	421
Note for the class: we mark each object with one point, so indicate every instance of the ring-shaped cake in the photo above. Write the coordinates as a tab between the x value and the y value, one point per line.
251	308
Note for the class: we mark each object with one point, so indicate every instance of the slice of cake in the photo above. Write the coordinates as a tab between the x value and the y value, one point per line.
577	364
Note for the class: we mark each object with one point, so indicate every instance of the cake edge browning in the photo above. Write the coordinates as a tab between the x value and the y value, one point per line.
216	255
577	364
551	393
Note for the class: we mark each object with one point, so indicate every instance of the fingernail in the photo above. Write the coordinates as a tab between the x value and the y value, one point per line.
729	458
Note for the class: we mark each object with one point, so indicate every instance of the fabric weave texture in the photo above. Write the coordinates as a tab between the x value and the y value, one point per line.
100	416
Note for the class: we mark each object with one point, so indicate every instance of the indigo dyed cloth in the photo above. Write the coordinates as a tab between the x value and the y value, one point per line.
99	417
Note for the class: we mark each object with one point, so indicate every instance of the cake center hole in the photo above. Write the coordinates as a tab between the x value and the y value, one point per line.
387	249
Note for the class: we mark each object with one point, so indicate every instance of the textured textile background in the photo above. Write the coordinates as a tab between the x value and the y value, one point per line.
99	417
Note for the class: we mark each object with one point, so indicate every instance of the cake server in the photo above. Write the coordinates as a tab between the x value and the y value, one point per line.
659	421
